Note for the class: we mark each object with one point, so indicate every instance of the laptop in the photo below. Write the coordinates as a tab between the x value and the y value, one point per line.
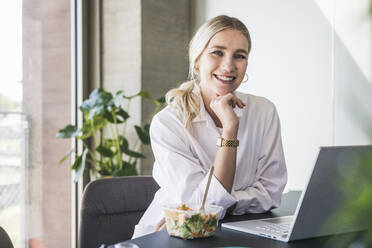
323	206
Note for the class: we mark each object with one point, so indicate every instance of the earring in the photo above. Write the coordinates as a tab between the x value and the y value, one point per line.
196	69
246	77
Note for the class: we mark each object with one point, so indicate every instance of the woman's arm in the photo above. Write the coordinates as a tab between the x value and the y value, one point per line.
271	174
225	163
225	159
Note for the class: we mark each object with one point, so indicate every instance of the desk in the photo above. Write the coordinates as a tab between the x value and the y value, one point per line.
227	237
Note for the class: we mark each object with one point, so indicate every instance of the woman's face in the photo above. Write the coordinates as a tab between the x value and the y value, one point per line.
223	63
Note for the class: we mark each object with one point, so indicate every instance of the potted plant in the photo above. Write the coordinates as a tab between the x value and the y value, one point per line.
106	148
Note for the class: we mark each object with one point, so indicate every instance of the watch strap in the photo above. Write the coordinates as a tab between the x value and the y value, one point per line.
228	143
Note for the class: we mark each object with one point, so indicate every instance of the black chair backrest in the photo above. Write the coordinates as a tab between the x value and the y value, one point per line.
5	241
111	208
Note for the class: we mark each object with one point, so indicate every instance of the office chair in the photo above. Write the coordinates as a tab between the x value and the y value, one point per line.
5	241
111	208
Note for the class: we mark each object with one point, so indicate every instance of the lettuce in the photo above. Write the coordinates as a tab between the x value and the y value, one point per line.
195	223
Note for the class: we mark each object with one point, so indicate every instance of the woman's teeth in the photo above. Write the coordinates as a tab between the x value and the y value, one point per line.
224	78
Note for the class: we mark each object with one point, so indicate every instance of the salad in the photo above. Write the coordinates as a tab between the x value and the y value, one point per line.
184	222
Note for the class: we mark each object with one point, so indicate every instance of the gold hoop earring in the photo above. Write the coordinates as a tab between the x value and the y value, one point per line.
196	70
246	78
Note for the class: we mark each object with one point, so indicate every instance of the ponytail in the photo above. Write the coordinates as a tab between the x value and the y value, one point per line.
186	99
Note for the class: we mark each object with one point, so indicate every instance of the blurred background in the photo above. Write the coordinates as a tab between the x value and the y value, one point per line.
312	58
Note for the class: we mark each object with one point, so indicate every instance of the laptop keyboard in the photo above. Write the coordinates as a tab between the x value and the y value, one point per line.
275	228
278	225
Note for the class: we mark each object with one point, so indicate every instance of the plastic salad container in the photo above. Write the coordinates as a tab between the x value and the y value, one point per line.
188	222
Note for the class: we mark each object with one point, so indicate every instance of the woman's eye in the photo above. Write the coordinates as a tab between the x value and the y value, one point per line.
240	56
218	53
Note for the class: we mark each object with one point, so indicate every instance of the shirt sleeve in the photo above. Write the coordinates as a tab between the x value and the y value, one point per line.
271	174
177	171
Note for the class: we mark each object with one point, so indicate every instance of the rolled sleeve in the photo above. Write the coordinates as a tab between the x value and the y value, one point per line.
217	194
271	175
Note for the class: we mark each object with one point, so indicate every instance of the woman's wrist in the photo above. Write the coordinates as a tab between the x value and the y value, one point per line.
230	133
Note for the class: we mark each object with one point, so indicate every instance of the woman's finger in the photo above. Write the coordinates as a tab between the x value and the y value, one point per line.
235	101
229	99
161	225
240	103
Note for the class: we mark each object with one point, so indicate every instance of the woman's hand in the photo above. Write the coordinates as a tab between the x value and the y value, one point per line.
161	225
223	106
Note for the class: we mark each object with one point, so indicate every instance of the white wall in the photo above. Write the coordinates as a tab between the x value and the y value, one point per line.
303	66
353	67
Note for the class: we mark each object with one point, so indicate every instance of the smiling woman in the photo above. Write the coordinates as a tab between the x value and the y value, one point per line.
248	179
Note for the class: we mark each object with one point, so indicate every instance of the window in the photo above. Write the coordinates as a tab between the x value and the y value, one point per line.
35	96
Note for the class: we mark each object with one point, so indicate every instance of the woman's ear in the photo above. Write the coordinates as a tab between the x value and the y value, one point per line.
196	66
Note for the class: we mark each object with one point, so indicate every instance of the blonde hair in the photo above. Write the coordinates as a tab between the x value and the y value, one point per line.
186	98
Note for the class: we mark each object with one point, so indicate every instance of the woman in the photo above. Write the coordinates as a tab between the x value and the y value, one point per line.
249	168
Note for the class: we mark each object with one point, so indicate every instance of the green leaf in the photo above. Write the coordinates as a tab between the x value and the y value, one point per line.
133	154
108	142
142	93
95	93
67	155
80	165
104	151
100	97
127	170
68	131
87	130
87	105
142	135
145	94
123	142
99	122
147	131
161	100
111	144
147	128
118	99
105	167
124	147
105	172
97	99
93	125
96	111
104	98
121	116
76	163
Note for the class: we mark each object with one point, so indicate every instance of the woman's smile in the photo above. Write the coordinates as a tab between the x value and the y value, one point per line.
225	79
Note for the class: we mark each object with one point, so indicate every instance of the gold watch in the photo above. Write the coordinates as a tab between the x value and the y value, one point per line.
229	143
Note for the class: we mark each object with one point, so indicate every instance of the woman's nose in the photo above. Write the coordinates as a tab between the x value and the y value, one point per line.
228	64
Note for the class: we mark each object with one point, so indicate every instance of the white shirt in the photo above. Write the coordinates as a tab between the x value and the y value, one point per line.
182	162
